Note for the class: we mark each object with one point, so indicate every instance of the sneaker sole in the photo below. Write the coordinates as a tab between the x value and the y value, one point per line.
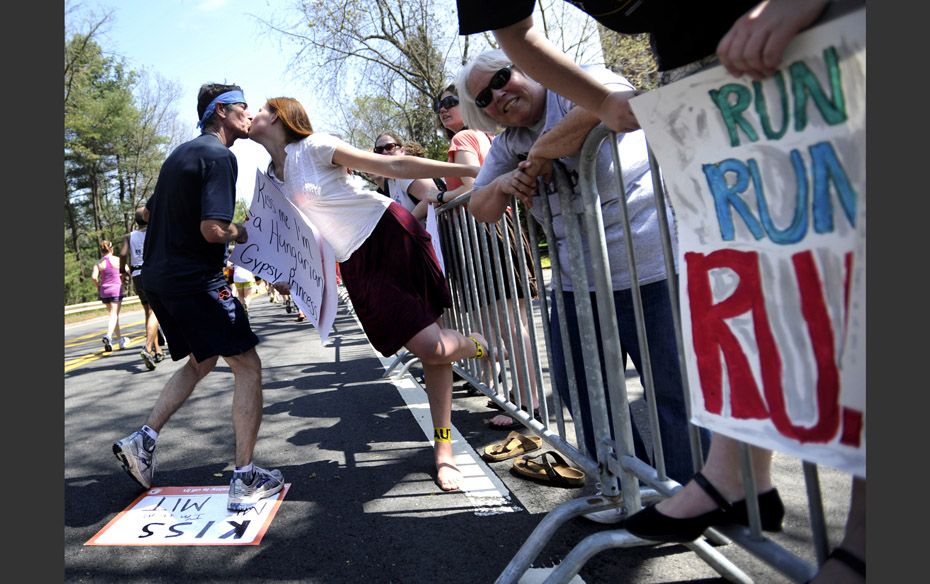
247	504
129	466
149	361
107	347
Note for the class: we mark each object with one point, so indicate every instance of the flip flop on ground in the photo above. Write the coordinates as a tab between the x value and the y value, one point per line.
514	444
552	469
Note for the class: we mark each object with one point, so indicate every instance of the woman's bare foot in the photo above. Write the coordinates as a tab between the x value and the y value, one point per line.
501	421
448	476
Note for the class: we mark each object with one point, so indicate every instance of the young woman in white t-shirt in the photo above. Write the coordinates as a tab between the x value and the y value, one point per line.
386	258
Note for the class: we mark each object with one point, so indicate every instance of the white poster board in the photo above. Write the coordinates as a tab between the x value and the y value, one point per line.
188	516
284	246
432	227
767	182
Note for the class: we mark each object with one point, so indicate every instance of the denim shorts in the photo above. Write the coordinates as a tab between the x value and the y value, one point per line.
205	324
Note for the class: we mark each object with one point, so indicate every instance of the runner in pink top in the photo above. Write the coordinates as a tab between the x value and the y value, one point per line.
108	278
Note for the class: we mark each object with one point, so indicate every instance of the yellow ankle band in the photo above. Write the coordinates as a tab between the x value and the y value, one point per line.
442	434
479	349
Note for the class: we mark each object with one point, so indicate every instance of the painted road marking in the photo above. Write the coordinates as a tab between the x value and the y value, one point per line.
484	489
91	338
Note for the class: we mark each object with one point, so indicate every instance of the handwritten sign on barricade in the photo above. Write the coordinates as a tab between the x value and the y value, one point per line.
188	516
767	181
432	227
284	246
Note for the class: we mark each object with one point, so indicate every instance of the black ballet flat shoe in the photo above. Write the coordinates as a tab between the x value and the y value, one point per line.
771	511
651	524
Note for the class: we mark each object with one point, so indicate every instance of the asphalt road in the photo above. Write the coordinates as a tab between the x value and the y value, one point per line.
362	506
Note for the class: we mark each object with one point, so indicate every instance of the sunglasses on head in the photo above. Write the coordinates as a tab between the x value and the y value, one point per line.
389	147
498	80
446	103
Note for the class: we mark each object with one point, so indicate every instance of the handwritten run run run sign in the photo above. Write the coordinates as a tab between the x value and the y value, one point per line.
285	247
767	180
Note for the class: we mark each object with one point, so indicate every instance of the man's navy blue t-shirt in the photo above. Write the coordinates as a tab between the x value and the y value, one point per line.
197	181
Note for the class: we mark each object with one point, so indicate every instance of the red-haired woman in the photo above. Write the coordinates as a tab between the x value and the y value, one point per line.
386	259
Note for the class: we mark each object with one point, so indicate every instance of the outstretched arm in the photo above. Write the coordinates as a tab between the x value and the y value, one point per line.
398	166
532	52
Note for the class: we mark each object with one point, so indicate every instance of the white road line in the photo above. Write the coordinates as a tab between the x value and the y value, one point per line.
480	484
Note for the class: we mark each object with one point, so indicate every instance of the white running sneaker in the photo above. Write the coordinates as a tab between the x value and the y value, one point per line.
107	346
123	342
136	452
247	489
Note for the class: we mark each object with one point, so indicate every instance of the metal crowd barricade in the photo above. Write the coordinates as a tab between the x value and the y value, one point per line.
481	262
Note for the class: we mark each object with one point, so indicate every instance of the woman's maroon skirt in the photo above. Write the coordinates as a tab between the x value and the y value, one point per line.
394	281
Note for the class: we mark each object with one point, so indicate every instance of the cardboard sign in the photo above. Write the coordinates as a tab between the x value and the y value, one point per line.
284	246
767	182
432	227
188	516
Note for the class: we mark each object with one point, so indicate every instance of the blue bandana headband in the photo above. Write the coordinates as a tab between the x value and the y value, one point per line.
234	96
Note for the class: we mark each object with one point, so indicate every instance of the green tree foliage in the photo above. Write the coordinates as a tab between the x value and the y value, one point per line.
402	54
115	137
630	55
393	51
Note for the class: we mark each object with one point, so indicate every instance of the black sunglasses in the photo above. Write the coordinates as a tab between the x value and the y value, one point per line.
446	103
389	147
498	80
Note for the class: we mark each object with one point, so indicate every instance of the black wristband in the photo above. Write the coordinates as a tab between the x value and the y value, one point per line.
440	196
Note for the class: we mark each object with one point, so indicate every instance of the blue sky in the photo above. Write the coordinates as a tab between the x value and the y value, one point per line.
191	42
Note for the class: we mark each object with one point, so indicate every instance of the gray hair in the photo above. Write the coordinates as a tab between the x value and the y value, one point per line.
473	116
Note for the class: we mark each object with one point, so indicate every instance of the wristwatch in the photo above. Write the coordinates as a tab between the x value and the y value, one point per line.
440	195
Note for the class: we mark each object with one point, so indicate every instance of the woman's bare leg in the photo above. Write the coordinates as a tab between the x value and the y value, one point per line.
113	321
437	349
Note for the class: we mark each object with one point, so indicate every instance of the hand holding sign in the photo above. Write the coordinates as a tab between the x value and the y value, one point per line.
767	179
282	246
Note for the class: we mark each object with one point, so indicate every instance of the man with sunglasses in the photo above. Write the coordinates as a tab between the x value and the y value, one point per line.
190	225
540	126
